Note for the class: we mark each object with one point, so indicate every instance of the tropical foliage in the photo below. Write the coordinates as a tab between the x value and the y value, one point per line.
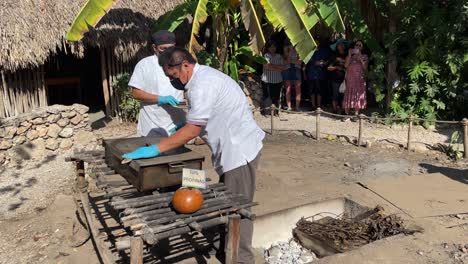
128	106
89	15
418	62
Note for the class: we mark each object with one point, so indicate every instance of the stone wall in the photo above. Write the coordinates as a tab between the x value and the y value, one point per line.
252	87
53	126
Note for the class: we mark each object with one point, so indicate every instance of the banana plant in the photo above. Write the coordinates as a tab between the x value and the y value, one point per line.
90	14
298	17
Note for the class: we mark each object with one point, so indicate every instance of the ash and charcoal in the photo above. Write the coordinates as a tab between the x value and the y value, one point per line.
288	253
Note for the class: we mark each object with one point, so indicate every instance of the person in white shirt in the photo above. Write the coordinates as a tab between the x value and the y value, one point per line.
158	116
220	114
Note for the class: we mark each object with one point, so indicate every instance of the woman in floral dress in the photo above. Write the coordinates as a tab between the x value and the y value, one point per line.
355	94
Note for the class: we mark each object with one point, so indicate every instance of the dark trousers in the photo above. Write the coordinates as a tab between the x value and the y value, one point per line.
272	90
242	180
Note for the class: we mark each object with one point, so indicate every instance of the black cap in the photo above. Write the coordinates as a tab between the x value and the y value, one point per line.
163	37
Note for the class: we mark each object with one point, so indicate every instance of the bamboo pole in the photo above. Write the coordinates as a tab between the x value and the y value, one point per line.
410	128
111	87
110	69
317	124
105	82
2	102
6	96
11	79
465	138
42	85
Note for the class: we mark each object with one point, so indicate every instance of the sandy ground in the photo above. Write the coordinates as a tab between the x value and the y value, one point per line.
294	170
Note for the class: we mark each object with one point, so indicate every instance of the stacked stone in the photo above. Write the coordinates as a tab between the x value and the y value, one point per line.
54	124
253	90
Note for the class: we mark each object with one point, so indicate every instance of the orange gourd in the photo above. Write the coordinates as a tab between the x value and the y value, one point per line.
187	200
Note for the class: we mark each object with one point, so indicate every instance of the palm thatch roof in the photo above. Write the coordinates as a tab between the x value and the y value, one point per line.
31	30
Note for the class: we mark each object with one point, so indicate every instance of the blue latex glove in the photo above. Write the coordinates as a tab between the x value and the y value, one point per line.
167	100
142	153
177	127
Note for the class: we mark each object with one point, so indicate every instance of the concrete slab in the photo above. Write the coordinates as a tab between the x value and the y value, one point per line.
423	195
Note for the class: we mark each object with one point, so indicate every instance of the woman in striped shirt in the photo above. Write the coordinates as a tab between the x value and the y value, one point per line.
271	77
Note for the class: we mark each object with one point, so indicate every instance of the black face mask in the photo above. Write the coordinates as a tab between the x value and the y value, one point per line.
178	84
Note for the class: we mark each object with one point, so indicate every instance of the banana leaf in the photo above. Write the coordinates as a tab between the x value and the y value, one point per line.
199	18
89	16
173	19
330	13
291	15
252	25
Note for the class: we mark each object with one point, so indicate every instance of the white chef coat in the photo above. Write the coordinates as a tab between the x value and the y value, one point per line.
155	120
218	104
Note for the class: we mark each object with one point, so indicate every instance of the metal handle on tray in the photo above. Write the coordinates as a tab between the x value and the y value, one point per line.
176	167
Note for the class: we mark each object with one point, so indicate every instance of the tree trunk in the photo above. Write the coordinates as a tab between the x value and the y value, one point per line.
392	62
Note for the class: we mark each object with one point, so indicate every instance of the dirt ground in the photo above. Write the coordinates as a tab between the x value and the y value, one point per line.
294	170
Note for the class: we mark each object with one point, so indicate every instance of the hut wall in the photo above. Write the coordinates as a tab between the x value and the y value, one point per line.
21	91
112	68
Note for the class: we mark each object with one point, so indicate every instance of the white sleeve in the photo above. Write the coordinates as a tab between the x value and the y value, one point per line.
202	100
268	58
138	79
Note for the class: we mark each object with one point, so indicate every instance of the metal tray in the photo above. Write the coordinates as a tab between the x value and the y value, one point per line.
150	174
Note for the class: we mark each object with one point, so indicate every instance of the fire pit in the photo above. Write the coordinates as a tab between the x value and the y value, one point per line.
322	229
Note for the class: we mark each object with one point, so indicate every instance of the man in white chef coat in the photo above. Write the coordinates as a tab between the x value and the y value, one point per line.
158	114
220	114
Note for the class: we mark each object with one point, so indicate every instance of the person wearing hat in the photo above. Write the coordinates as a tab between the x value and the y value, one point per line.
158	115
220	113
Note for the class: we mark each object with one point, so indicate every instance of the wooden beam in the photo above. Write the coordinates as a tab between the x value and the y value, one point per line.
105	82
232	248
136	250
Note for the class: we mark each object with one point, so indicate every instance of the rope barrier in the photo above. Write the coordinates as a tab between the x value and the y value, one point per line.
410	120
364	117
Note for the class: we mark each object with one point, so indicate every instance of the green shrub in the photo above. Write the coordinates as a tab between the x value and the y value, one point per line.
128	106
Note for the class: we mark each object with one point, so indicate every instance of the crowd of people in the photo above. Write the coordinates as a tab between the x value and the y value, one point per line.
334	74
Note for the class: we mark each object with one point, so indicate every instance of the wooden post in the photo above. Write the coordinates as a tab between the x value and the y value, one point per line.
232	248
317	124
105	82
136	250
273	107
410	128
465	138
359	141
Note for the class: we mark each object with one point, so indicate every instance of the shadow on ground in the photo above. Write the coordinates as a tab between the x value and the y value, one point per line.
460	175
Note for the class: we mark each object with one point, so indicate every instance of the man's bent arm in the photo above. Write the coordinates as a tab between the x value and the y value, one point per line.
143	96
182	136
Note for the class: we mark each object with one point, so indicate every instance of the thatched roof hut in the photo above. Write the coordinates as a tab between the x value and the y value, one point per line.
31	31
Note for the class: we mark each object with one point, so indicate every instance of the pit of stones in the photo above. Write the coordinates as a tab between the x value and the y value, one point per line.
275	239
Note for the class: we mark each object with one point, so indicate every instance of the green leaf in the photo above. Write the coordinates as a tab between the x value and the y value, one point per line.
291	16
439	104
199	18
252	25
173	19
89	16
330	13
247	51
249	69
